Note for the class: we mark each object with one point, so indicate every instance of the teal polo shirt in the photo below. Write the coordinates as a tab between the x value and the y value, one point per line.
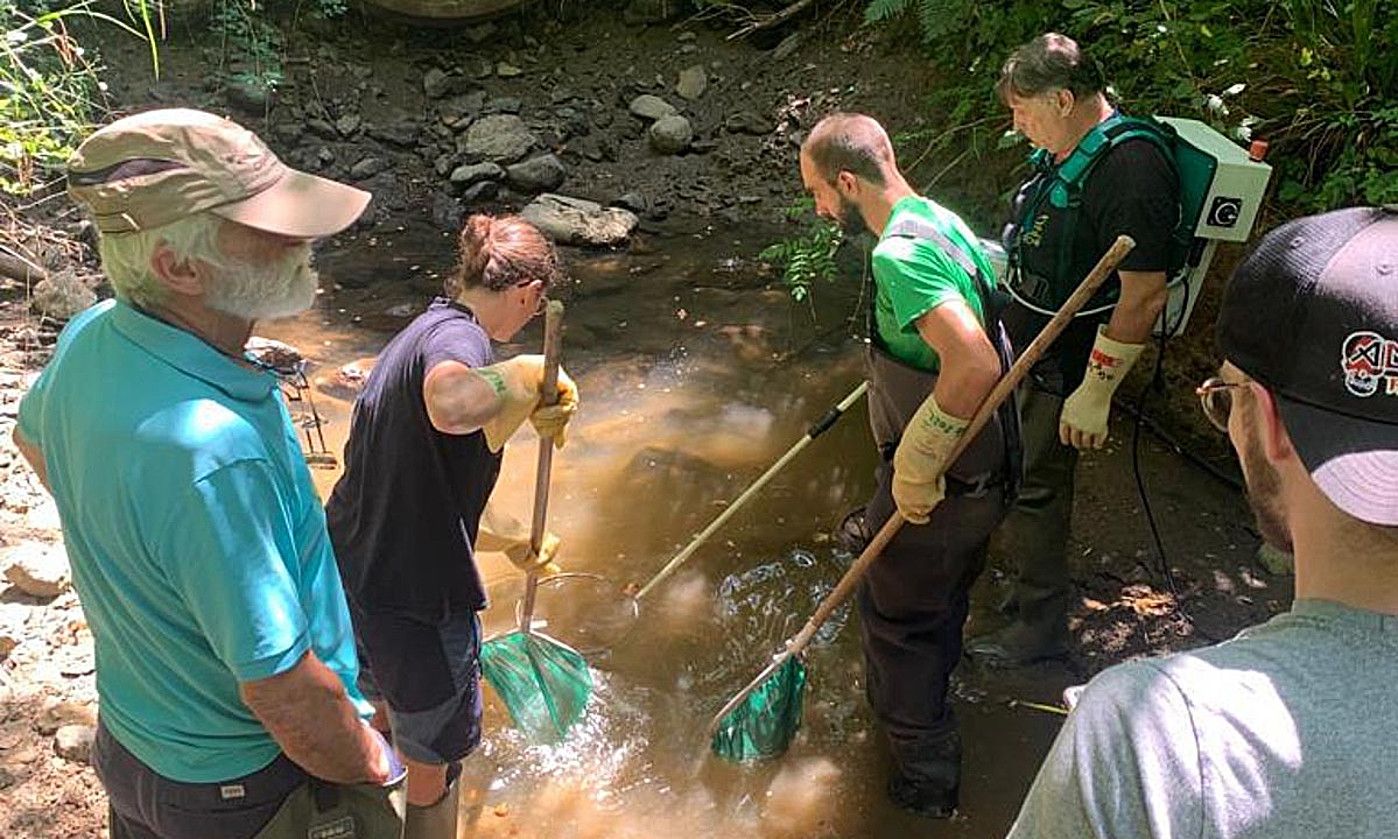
197	541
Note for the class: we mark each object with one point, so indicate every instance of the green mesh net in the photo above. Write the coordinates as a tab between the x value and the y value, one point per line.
544	684
763	725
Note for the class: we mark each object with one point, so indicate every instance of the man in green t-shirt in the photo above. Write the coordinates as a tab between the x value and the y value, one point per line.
935	352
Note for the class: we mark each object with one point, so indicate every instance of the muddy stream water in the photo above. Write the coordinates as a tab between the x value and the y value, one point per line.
676	347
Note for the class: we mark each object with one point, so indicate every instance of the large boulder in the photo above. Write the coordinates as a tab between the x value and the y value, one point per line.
575	221
670	135
538	174
501	138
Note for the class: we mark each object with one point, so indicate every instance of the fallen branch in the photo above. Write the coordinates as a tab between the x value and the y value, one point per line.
773	20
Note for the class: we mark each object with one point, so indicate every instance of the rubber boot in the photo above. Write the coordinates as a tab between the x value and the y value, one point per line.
926	776
435	821
1019	644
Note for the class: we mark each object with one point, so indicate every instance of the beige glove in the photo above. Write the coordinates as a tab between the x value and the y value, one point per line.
918	463
1083	423
502	532
517	383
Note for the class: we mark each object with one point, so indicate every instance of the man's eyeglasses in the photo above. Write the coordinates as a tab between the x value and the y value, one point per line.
1216	398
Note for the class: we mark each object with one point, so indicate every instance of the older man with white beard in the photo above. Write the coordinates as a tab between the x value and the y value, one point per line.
225	660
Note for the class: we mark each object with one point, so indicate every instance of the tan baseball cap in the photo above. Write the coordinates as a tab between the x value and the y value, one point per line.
153	168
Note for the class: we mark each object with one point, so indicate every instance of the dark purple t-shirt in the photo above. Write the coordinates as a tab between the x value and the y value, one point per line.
404	515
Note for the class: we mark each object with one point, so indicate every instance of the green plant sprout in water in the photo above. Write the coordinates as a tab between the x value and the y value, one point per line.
50	86
807	257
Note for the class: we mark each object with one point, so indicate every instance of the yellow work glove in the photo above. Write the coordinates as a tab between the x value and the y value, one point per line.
1083	423
501	532
517	383
921	459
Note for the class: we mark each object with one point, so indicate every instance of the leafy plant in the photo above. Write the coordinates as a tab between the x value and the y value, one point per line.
1313	77
50	87
808	257
251	46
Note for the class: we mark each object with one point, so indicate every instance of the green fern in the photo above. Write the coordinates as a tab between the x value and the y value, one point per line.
806	259
878	10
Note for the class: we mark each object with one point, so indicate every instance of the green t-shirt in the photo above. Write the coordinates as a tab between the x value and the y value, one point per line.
914	276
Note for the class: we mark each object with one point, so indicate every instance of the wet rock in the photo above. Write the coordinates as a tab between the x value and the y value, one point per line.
633	201
367	168
651	107
480	193
504	105
436	83
74	742
670	135
402	134
250	96
693	82
506	70
61	295
576	221
348	124
447	214
37	569
538	174
462	107
502	138
471	173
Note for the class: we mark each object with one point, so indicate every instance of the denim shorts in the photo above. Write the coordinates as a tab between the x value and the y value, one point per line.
428	675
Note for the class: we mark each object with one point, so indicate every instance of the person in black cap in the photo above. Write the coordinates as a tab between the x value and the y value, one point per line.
1286	730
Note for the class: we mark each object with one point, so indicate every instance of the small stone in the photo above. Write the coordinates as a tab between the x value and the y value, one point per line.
74	742
502	138
670	135
61	296
747	122
651	107
447	214
37	569
435	83
471	173
506	70
443	164
347	125
693	82
685	37
538	174
480	192
58	713
633	201
367	168
504	105
403	134
325	156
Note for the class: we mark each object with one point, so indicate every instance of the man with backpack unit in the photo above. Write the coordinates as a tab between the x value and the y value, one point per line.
1097	174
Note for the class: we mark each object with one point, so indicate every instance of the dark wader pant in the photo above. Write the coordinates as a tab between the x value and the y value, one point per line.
1035	533
279	801
914	600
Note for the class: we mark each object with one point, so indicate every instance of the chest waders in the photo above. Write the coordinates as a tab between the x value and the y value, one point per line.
897	389
1060	188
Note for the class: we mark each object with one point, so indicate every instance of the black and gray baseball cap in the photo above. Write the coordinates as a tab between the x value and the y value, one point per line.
1312	314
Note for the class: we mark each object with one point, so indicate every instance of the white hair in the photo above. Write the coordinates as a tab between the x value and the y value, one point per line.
255	292
126	257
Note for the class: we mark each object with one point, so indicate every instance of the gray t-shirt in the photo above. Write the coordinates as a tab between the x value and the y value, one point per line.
1288	730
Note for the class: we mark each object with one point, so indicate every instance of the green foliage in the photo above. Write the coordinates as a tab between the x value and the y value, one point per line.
807	257
252	46
50	87
1313	77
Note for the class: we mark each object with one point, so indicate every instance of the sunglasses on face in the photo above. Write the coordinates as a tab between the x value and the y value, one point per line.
1216	398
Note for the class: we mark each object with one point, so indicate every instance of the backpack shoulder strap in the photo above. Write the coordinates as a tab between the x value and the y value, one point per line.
911	227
